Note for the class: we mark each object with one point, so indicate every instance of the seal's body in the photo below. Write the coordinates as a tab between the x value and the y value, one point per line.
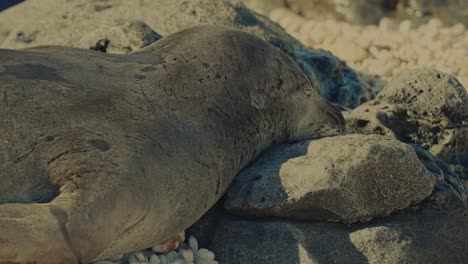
104	154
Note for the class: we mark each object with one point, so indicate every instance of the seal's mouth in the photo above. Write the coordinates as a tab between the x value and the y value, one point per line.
334	128
334	124
327	121
337	123
327	131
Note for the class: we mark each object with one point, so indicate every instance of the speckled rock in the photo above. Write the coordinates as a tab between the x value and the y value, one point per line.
83	23
449	186
427	236
344	178
433	231
426	107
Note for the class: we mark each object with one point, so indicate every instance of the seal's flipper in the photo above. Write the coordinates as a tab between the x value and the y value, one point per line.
34	233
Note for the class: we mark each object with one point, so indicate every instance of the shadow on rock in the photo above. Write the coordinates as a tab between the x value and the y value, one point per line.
267	240
4	4
235	241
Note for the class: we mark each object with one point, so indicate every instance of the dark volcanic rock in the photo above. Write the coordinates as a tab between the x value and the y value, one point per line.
433	231
426	107
426	234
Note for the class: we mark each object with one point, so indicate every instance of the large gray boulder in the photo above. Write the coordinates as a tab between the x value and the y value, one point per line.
344	178
433	231
422	106
83	23
429	237
450	186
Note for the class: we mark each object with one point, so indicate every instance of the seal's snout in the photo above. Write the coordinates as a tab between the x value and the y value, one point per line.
318	118
335	125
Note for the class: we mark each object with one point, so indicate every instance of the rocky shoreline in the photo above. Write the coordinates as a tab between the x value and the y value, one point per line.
392	189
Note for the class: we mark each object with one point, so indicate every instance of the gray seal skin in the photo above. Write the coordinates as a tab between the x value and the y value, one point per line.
104	154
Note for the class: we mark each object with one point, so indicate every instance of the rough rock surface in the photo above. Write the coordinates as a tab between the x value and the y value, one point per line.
433	231
137	144
83	23
344	178
426	107
449	185
432	237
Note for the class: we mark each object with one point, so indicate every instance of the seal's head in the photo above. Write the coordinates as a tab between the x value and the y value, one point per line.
280	93
293	99
251	87
315	117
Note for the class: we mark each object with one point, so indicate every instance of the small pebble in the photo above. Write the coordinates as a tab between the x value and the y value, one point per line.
163	259
458	29
179	261
154	259
405	26
193	243
387	24
205	254
140	257
172	256
187	255
117	258
132	258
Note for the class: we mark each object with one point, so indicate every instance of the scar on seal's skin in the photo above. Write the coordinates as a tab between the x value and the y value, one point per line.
99	144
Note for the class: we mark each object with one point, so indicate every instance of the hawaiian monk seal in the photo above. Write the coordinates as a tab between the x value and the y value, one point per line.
104	154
